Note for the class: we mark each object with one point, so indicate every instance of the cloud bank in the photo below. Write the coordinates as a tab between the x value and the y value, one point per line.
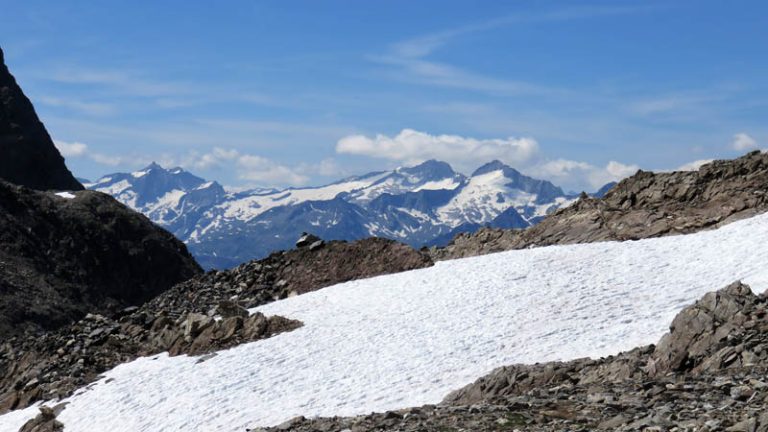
410	147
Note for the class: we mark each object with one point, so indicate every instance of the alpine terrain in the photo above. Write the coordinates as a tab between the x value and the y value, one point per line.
427	204
416	299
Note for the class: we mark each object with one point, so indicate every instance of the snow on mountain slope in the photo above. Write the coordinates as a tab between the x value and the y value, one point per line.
488	194
429	175
410	338
248	207
424	204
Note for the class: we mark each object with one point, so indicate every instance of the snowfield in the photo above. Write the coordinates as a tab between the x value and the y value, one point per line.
410	338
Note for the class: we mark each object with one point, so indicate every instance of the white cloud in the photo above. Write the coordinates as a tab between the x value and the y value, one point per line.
71	149
411	147
259	169
582	175
79	150
694	166
216	158
249	167
742	141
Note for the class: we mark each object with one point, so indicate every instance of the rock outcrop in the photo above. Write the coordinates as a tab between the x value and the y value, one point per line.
27	154
708	373
64	256
642	206
55	364
45	421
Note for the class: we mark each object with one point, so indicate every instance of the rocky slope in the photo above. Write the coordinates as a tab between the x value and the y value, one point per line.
644	205
195	317
706	374
64	256
29	157
313	265
55	364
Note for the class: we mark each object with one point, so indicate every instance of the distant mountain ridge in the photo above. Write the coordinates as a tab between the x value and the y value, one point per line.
427	204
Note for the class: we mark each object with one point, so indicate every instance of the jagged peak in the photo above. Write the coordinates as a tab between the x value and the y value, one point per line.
153	165
494	165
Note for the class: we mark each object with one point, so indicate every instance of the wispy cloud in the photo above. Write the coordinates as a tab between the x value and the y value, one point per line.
410	56
742	142
582	175
422	46
420	71
128	83
85	107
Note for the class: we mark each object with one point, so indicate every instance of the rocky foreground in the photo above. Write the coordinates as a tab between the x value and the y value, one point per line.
196	317
642	206
707	374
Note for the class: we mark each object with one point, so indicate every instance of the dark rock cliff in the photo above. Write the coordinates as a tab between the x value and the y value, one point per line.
27	154
63	257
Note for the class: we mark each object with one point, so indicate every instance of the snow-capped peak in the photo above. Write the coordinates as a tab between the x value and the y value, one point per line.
416	205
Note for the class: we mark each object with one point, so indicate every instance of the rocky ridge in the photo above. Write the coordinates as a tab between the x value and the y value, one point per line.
313	265
29	157
642	206
64	256
708	373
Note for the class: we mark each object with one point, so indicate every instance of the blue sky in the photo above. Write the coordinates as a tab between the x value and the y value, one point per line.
304	92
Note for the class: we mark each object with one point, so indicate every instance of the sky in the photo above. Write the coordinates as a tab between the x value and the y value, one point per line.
296	93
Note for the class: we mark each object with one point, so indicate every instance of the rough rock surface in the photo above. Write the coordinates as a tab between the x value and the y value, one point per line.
27	154
61	258
708	373
291	272
55	364
45	421
642	206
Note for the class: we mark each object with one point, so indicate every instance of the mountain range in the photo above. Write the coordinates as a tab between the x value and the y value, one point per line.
423	205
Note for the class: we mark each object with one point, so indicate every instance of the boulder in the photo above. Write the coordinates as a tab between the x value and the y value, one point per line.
307	239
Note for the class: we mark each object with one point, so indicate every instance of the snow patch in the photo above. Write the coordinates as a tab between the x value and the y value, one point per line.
66	195
410	338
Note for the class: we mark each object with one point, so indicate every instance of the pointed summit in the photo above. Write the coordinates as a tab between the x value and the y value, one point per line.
27	154
494	165
153	165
